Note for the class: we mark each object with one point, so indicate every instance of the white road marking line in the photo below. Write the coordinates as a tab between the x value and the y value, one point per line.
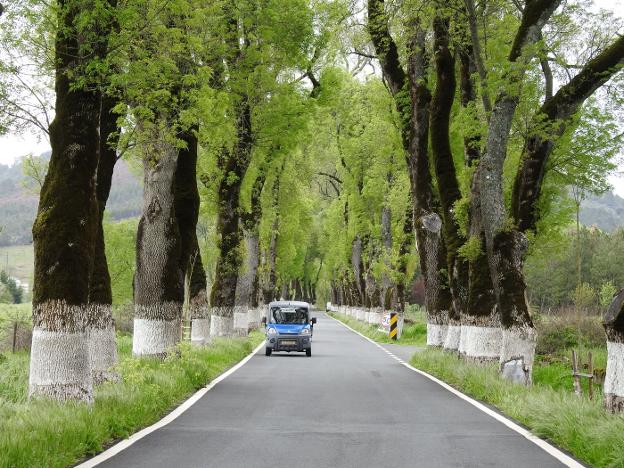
541	443
124	444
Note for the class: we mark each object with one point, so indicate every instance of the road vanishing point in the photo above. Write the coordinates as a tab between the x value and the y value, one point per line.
350	405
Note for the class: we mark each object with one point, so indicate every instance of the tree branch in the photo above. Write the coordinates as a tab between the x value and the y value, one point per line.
554	115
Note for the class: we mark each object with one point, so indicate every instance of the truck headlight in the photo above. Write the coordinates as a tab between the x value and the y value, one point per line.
305	331
271	331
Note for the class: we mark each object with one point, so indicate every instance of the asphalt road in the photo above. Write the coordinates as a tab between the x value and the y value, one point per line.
349	405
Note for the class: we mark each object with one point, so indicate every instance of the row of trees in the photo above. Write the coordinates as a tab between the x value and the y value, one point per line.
315	181
157	83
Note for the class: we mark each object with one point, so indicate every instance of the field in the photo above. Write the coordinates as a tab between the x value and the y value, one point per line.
18	261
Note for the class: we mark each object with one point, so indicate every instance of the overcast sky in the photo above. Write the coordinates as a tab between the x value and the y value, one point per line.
13	147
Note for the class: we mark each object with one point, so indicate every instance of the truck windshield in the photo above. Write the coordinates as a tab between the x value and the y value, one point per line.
297	316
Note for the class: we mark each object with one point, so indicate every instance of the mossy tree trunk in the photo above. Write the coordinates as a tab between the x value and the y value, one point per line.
159	276
412	99
444	166
102	343
404	252
233	164
64	231
187	213
505	247
248	286
480	333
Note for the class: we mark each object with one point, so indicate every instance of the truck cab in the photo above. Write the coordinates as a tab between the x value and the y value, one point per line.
289	327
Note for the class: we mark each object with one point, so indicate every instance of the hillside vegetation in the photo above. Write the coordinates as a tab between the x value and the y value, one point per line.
19	198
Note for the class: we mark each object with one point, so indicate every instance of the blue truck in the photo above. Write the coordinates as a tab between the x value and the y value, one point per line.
289	327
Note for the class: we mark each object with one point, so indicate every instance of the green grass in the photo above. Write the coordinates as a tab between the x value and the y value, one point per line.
47	434
578	425
549	408
18	261
414	334
15	311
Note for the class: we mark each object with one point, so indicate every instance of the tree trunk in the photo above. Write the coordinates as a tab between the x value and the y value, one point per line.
614	379
481	334
481	337
187	213
386	240
412	100
159	277
427	223
444	166
505	248
64	231
102	343
247	288
404	252
226	319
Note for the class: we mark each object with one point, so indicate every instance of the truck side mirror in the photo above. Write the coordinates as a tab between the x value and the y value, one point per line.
313	321
263	321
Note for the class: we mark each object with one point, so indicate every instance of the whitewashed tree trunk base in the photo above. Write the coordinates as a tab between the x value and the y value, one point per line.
221	326
241	321
480	344
451	342
155	338
200	331
103	355
102	343
59	366
518	354
614	378
252	319
436	334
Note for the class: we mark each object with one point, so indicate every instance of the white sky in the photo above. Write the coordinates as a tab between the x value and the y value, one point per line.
13	147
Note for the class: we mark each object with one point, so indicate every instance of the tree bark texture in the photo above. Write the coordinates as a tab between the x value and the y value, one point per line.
159	277
187	212
102	342
248	285
481	335
505	248
64	231
613	388
404	252
233	164
427	223
449	193
412	99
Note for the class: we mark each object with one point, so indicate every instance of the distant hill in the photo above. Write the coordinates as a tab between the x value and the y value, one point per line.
18	206
603	211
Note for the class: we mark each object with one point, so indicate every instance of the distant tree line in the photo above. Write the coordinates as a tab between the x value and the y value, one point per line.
10	292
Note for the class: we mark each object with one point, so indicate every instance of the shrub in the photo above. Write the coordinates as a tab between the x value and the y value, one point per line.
607	291
554	340
556	335
584	297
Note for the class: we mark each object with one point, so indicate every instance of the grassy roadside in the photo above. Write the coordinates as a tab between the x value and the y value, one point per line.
46	434
578	425
414	333
549	408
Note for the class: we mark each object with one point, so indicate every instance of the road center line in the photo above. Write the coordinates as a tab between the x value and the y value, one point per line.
541	443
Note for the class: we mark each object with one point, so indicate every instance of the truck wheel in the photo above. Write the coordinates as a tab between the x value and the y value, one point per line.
268	351
309	352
